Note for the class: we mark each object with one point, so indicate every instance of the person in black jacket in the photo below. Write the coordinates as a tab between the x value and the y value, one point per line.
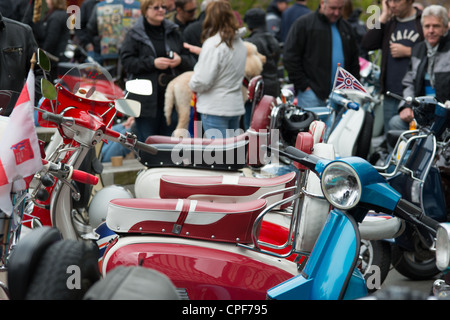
397	18
269	47
315	44
153	49
429	70
86	39
17	45
52	33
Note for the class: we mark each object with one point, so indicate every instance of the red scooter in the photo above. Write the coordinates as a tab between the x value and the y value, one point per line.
82	107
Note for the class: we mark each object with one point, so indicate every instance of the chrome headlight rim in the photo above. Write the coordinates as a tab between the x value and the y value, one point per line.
346	167
443	247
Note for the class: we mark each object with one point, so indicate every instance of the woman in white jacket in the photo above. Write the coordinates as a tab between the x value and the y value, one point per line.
219	72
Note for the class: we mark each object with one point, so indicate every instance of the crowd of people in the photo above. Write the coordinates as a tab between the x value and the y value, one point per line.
160	39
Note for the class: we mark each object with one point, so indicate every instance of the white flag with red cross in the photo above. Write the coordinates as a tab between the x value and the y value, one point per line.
20	155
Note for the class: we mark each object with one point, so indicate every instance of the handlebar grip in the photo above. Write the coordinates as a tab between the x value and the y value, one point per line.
410	100
412	213
146	147
429	222
84	177
296	152
53	117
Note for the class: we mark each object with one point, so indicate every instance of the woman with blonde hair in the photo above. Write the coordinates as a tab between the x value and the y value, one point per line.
219	72
153	49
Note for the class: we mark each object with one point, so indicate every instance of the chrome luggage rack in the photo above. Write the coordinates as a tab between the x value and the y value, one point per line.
400	154
295	212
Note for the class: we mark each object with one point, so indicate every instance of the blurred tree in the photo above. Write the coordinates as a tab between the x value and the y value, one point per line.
243	5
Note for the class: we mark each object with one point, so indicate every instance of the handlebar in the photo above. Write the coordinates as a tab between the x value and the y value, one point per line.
146	147
409	212
63	171
127	140
130	140
56	118
346	103
412	101
84	177
308	160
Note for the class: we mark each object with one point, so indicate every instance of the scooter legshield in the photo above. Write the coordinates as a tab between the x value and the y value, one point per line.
330	272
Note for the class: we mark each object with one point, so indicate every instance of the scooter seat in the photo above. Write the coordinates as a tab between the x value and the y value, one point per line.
223	154
167	140
225	188
227	222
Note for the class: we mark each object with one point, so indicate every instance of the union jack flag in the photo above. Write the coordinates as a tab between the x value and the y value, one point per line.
344	80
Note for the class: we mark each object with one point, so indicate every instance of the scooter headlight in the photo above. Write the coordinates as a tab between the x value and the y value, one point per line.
443	246
341	185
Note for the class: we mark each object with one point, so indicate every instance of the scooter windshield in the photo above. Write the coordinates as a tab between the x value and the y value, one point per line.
91	81
86	88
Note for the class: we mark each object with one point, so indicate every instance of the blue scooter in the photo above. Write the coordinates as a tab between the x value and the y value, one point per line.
413	169
352	186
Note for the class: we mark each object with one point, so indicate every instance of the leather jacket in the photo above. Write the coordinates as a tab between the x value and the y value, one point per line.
17	45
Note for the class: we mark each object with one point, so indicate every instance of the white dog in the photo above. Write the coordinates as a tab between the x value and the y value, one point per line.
179	94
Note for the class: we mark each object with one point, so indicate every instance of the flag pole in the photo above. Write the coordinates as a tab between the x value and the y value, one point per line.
335	77
33	61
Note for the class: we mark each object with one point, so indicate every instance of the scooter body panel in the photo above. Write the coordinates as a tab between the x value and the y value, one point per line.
205	270
428	194
148	181
330	271
345	134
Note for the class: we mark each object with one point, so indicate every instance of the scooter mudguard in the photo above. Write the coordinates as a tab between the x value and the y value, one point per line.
201	269
330	272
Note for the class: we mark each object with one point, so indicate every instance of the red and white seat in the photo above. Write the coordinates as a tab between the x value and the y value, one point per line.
185	218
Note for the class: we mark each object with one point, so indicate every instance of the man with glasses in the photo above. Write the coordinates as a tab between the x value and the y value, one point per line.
185	13
399	30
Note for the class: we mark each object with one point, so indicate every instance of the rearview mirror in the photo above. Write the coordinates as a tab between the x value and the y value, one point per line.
128	107
48	90
139	86
43	60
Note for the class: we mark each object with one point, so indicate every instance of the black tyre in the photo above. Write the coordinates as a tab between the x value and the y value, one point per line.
68	268
376	262
365	137
415	265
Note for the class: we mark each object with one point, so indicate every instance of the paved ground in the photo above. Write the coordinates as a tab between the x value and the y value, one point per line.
395	279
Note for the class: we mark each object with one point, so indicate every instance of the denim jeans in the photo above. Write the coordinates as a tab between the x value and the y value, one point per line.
220	126
390	109
398	124
112	149
308	98
148	126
